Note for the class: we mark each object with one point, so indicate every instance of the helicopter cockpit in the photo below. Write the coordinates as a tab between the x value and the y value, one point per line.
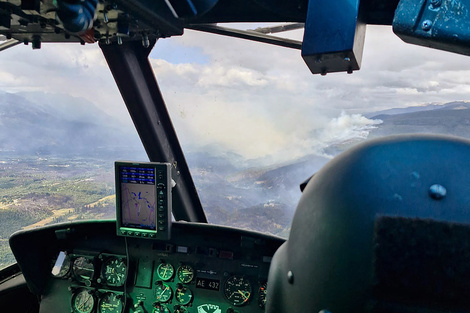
160	254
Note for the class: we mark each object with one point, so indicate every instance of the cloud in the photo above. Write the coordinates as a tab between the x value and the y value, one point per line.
9	80
80	71
264	121
255	99
243	81
231	77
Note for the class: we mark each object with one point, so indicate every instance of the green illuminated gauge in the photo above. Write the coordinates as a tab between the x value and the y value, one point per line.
183	295
165	271
237	290
180	309
83	269
185	274
114	272
163	292
110	303
262	295
160	308
82	301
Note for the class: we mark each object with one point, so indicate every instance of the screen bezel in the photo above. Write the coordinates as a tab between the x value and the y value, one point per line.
161	218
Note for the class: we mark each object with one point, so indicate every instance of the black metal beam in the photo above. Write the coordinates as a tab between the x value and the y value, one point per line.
279	28
138	86
247	34
8	44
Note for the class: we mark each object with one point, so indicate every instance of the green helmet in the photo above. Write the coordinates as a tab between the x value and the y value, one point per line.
383	227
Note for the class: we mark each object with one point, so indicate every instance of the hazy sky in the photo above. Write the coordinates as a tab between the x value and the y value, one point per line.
254	99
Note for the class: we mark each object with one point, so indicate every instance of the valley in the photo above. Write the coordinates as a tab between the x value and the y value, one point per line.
40	188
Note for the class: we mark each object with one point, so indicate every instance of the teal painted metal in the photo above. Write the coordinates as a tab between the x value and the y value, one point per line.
439	24
334	36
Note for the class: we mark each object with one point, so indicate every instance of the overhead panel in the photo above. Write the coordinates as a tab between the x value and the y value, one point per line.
5	22
89	21
290	9
191	8
30	6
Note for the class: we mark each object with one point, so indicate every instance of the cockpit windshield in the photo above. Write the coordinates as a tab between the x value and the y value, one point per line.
252	121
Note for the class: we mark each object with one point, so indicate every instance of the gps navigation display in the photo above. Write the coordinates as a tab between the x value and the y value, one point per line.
143	199
138	196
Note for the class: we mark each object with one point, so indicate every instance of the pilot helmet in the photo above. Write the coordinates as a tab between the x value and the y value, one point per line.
383	227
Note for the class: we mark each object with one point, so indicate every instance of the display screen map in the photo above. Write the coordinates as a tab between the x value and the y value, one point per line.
143	199
138	197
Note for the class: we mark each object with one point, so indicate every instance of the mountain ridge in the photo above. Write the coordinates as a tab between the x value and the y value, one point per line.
28	127
232	189
452	118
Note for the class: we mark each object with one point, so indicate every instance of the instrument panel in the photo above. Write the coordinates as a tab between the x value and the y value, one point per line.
201	269
96	281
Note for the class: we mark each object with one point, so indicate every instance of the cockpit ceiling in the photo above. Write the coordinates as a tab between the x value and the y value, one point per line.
35	21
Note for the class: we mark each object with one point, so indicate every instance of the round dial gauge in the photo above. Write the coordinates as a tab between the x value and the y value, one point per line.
163	293
83	268
114	271
165	271
185	274
237	290
83	301
262	295
180	309
110	303
183	295
160	308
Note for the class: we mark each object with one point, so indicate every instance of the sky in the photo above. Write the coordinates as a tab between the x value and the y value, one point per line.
257	100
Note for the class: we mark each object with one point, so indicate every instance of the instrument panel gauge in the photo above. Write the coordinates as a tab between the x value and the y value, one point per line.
160	308
83	268
183	295
165	271
262	295
180	309
82	301
163	292
110	303
185	274
114	271
237	290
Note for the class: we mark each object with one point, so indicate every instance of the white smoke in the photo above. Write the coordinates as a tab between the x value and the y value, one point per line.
346	129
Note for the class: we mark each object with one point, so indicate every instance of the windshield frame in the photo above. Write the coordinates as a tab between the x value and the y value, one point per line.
128	62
